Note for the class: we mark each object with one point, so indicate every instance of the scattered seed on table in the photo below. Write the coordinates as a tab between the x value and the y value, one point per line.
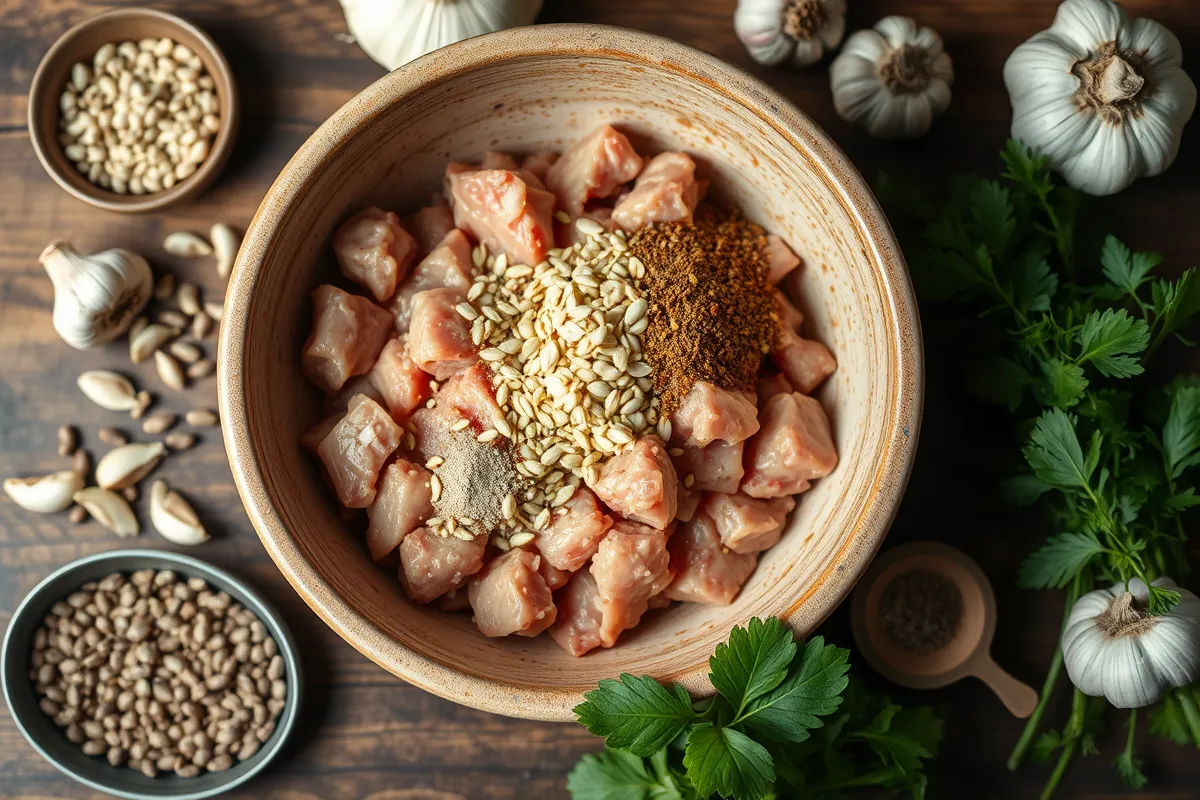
202	418
164	287
159	422
78	515
82	462
68	440
176	319
130	493
144	401
201	369
179	441
113	436
202	324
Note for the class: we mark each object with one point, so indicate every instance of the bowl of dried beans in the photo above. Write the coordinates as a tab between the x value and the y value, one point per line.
546	360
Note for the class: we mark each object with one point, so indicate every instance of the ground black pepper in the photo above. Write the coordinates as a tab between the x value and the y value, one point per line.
712	316
920	611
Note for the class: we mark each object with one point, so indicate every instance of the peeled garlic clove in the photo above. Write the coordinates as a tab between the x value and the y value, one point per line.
109	509
173	517
108	389
186	245
225	245
148	340
97	296
45	494
126	465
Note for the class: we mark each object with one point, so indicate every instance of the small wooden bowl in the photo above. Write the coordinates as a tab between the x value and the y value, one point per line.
541	88
80	43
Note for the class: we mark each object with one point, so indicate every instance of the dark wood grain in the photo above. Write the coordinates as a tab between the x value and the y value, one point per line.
363	734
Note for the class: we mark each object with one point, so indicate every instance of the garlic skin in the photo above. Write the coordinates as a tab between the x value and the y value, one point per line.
798	32
1103	97
394	32
1113	648
97	296
893	79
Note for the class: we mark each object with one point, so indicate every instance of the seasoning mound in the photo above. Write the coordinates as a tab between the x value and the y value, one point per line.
920	611
712	315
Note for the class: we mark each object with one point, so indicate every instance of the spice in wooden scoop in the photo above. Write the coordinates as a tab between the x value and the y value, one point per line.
920	611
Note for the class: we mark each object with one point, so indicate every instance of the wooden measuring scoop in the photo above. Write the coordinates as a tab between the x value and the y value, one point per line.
966	654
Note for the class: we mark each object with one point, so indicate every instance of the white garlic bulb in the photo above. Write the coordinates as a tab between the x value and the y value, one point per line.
96	296
394	32
1103	97
796	31
893	79
1112	647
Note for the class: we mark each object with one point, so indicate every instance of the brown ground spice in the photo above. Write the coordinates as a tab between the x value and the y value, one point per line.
712	316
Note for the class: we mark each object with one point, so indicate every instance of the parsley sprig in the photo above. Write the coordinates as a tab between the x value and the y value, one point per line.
1061	333
786	720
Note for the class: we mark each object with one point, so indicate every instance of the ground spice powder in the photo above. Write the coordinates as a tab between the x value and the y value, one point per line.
920	611
712	316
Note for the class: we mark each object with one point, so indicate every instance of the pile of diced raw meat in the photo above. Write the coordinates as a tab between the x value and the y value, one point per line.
637	538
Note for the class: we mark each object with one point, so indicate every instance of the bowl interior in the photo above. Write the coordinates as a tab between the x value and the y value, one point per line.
80	45
541	88
95	771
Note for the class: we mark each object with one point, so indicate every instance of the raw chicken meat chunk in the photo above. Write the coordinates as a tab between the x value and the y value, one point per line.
746	524
432	565
510	596
470	394
440	339
789	316
355	450
577	628
538	164
716	467
356	386
704	570
689	501
794	447
401	504
554	577
630	567
780	259
573	537
640	484
805	363
504	212
403	386
454	600
709	413
594	167
447	267
666	191
313	437
430	225
770	386
496	160
348	333
372	249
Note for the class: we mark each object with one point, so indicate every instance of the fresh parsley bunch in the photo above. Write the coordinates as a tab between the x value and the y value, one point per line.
1061	342
786	721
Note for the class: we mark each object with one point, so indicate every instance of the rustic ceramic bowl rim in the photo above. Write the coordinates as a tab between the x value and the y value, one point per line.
41	92
314	157
191	567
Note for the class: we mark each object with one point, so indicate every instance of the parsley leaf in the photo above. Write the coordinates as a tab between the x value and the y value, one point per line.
1026	168
636	714
1054	564
1128	767
991	209
727	762
1175	303
903	737
812	690
1126	270
618	775
753	662
1065	383
1168	719
1054	452
1181	432
1034	284
1110	340
1162	600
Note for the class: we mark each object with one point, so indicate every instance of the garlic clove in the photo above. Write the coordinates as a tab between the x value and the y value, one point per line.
97	296
109	509
225	245
45	494
173	517
186	245
126	465
108	390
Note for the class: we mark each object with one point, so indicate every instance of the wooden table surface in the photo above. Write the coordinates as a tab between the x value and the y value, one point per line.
363	733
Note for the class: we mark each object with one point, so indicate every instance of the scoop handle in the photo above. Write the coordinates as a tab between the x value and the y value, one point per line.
1019	698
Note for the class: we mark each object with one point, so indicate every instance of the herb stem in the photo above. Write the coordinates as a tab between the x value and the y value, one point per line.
1064	759
878	777
1132	730
1190	712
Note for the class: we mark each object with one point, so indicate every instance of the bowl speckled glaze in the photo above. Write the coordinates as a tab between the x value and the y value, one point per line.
534	89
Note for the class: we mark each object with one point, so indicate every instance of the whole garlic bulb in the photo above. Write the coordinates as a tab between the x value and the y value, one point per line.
893	79
1101	96
1113	647
394	32
97	296
799	31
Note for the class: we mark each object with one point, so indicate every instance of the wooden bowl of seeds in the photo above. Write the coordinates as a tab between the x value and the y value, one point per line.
522	91
133	110
163	721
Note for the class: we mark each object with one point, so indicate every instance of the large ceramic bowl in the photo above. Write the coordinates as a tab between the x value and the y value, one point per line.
534	89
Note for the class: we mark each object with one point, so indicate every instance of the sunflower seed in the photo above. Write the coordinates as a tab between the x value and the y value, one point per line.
45	494
159	422
488	435
201	369
188	298
169	370
179	441
435	488
78	515
82	462
186	352
148	340
68	440
173	517
144	401
225	246
689	480
214	309
126	465
520	539
186	245
202	324
664	429
173	319
109	509
108	390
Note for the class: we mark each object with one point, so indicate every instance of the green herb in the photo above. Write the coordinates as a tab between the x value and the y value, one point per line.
1062	330
786	720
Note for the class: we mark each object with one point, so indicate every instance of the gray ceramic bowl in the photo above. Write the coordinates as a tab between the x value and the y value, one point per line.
50	740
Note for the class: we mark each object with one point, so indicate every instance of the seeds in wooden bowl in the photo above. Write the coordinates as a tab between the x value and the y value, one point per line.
159	673
140	117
